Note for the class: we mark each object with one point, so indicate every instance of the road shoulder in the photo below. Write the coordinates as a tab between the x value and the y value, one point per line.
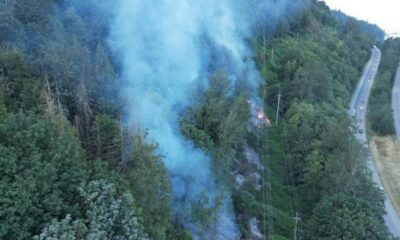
386	156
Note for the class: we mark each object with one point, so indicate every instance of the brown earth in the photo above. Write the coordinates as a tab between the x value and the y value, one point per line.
386	155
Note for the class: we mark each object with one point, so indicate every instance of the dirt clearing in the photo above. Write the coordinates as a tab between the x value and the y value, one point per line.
386	155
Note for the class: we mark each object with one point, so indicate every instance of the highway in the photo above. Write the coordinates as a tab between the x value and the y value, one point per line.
357	110
396	103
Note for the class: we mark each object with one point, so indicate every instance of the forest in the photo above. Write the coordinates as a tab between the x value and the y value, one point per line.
72	167
380	114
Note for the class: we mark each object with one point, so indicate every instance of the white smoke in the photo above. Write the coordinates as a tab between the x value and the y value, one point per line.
165	48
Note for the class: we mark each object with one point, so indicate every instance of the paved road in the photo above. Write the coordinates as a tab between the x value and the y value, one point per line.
358	104
396	103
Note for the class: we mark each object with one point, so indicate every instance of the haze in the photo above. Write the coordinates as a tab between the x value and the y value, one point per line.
384	13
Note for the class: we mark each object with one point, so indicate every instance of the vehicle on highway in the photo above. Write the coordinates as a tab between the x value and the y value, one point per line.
360	131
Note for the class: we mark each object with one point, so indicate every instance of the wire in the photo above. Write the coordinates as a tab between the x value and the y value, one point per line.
267	188
292	183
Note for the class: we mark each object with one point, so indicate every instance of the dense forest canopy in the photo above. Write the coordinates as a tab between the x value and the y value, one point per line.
380	114
73	167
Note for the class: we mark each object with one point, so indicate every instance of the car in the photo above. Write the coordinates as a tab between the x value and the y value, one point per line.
360	131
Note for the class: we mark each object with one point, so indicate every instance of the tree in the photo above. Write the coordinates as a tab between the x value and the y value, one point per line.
218	123
83	115
214	106
108	216
33	11
346	217
104	72
41	167
20	88
10	27
204	214
66	229
380	112
106	139
303	127
146	173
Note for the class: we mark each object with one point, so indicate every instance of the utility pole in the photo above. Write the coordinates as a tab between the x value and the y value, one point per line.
296	219
277	109
272	55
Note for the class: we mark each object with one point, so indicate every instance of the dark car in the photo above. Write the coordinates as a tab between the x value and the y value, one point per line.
360	131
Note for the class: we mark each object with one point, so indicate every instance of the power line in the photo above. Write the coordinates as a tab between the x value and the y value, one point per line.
291	181
269	191
267	188
263	175
298	232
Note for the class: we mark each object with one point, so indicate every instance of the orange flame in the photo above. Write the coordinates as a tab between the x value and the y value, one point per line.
258	115
261	115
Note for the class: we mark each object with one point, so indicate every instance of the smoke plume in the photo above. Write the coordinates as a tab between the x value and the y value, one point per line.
166	47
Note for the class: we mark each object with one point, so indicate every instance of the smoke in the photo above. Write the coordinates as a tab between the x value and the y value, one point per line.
166	47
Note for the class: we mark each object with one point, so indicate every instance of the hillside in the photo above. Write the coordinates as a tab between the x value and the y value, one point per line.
136	120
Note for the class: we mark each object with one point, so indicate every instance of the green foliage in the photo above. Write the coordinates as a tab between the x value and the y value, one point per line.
315	61
33	12
45	162
198	136
380	114
180	235
208	116
20	89
66	229
363	26
107	216
316	65
41	168
345	217
39	74
145	171
9	26
106	139
205	213
218	123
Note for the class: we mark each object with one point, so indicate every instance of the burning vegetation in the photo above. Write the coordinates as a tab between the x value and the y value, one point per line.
258	116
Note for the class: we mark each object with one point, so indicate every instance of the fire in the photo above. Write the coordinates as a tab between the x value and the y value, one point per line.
259	118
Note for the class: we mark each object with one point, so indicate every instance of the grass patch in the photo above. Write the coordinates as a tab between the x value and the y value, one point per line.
386	155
